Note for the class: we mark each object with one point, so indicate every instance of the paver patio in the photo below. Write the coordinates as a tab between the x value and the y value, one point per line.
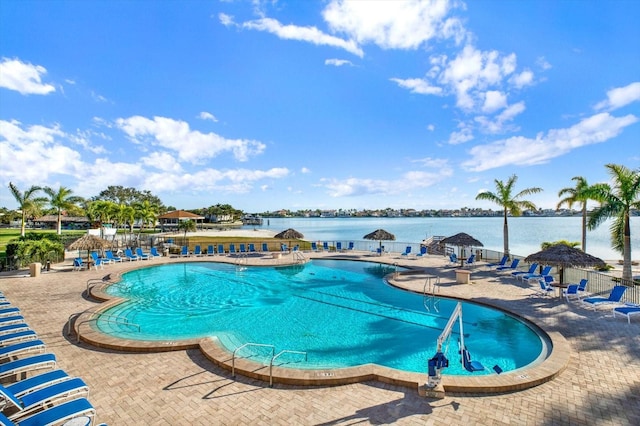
601	384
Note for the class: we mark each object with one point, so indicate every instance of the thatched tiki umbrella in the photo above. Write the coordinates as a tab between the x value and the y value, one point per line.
462	240
564	256
89	242
380	235
289	234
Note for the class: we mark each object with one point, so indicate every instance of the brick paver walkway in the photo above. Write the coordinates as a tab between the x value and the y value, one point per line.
600	386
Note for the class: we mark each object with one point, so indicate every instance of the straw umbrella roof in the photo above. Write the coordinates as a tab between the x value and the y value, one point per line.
289	234
562	255
462	240
380	234
89	242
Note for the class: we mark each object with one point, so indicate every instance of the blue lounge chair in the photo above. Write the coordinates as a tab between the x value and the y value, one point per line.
628	310
350	246
11	320
12	328
614	297
252	248
453	259
60	413
21	348
210	250
243	248
32	363
325	246
232	248
111	257
471	260
545	287
17	336
7	312
128	254
32	401
21	387
575	290
532	270
97	262
502	262
185	251
314	246
423	252
153	253
407	251
284	248
78	265
511	267
220	249
545	272
141	255
338	246
265	247
197	250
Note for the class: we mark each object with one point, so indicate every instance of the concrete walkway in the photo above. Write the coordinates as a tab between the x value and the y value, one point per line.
601	384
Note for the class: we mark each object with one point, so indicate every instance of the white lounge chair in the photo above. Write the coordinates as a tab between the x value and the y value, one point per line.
614	297
627	310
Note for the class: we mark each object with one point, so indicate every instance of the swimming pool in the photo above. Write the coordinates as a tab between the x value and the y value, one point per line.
341	313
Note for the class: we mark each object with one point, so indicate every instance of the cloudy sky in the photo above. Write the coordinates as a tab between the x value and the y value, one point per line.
330	104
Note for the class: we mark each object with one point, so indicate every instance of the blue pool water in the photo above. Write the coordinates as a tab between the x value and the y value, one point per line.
341	313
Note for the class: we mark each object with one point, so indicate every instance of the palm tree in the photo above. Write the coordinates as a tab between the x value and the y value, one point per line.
581	193
617	202
187	226
27	202
61	199
510	203
146	212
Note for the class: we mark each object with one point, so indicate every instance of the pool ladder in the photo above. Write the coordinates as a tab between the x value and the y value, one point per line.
273	357
430	301
298	256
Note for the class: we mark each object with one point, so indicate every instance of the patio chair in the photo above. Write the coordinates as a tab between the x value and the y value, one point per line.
21	348
7	312
265	248
185	251
545	287
78	265
197	250
252	248
545	272
32	363
30	384
407	252
243	248
314	246
614	297
210	251
627	310
221	249
502	262
97	262
153	253
17	336
141	254
471	261
338	246
325	246
111	257
453	259
350	246
128	254
12	328
532	270
16	319
511	267
232	248
59	414
423	252
31	402
575	290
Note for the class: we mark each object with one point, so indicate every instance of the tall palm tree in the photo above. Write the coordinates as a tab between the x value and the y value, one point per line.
617	202
27	202
61	199
581	193
510	203
188	225
146	212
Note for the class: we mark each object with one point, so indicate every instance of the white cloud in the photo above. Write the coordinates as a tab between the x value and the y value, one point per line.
620	96
465	134
308	34
500	123
525	78
431	127
543	64
305	170
225	19
418	85
404	24
338	62
23	77
163	161
493	101
407	182
188	145
524	151
207	116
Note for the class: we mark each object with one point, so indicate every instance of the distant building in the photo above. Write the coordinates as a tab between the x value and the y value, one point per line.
169	221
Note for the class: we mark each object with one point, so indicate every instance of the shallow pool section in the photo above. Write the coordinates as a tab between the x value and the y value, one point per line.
340	313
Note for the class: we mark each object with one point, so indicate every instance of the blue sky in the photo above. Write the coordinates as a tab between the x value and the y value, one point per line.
331	104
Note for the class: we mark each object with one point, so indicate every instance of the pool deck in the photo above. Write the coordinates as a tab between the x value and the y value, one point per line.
597	371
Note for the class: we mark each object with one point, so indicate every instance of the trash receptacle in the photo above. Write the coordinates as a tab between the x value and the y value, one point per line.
34	269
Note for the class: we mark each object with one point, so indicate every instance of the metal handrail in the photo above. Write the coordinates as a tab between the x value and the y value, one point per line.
233	358
276	356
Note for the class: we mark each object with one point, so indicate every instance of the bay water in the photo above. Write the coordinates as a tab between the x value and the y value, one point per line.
526	234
